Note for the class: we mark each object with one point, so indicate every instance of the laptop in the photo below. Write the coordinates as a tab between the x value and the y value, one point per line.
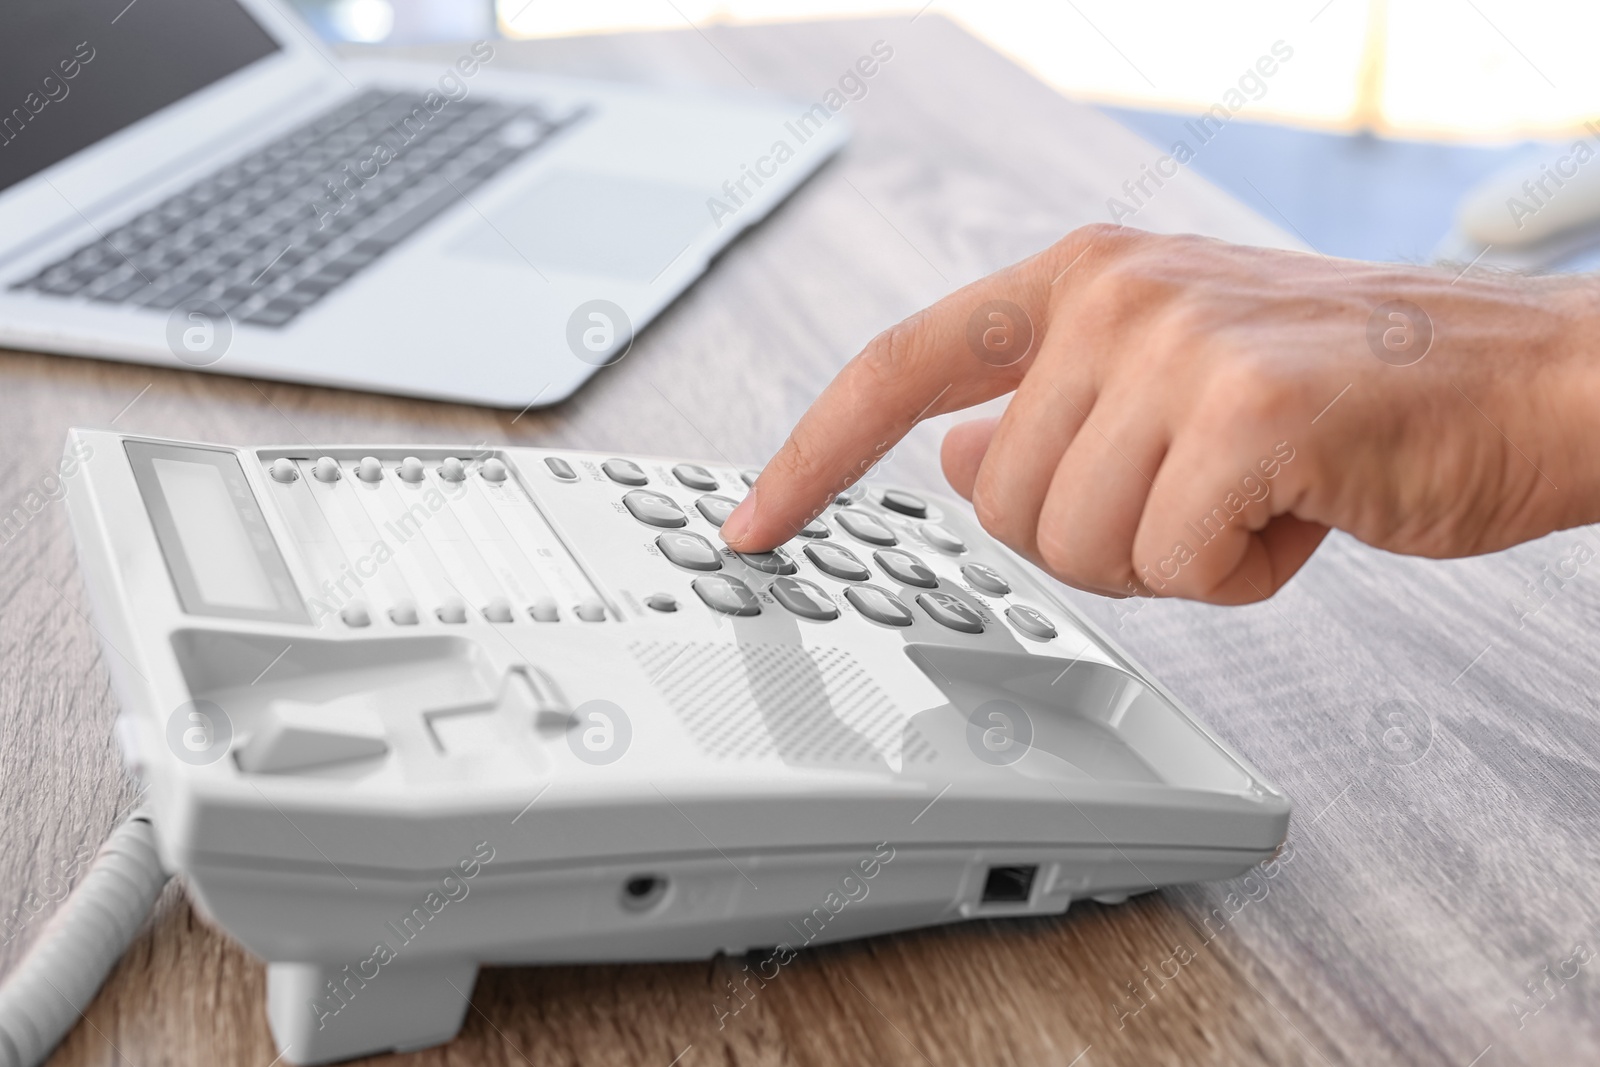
198	184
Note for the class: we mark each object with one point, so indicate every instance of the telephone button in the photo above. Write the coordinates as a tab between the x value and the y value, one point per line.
986	579
656	509
590	611
775	562
903	567
283	470
879	605
951	611
625	472
1031	622
805	599
864	527
943	538
727	595
905	503
690	550
837	562
716	509
695	477
560	469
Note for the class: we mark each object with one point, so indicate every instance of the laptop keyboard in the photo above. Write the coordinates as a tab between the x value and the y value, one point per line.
269	235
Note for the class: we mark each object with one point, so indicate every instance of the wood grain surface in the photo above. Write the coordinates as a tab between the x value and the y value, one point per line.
1444	856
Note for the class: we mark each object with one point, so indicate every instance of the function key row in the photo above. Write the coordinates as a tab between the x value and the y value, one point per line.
370	469
454	612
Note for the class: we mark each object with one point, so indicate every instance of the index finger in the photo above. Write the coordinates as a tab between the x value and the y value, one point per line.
971	346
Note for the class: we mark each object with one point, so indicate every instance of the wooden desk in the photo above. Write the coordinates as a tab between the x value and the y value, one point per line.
1419	899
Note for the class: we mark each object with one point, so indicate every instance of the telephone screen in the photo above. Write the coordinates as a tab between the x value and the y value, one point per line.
219	551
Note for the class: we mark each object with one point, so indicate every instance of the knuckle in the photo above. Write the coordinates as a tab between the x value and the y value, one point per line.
893	354
1253	391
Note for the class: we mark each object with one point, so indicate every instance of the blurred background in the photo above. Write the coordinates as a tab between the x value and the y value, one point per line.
1364	144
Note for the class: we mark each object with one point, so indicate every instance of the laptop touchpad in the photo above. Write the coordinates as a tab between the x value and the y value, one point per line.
587	223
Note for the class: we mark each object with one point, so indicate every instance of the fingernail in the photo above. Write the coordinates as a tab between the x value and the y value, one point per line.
738	524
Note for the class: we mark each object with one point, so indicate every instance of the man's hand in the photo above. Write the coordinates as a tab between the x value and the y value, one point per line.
1191	417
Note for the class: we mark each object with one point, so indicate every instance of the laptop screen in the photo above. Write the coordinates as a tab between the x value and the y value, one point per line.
75	71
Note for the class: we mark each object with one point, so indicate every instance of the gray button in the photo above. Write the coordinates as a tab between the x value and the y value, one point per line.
283	470
544	610
837	562
903	567
943	538
690	550
452	469
590	611
815	528
326	469
410	469
356	615
775	562
497	610
654	508
879	605
493	470
727	595
905	503
716	509
661	602
624	472
694	476
561	469
369	469
985	579
1030	621
403	614
951	611
452	611
749	476
805	599
860	525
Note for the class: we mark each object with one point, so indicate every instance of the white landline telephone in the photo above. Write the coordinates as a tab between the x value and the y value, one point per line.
406	710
